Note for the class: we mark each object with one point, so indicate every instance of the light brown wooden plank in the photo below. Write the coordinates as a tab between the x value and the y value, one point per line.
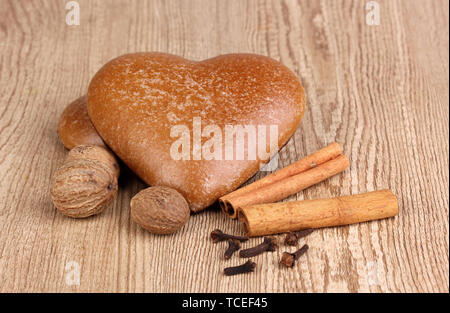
380	91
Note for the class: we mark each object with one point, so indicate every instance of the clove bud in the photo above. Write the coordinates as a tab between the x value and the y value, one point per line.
269	244
292	238
233	246
218	235
288	259
247	267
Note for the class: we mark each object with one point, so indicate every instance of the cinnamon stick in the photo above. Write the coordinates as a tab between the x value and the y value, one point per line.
274	218
302	174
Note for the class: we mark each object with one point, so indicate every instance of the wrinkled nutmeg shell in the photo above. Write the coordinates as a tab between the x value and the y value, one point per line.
94	153
160	210
86	184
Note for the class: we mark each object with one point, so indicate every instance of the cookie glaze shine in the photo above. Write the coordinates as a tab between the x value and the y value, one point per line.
136	99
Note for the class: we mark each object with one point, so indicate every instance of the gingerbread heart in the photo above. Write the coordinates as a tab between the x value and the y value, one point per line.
195	126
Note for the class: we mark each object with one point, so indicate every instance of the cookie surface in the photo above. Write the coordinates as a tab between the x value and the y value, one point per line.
141	103
75	127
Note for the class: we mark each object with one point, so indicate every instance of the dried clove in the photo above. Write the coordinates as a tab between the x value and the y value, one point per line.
218	235
288	259
269	244
233	246
247	267
292	238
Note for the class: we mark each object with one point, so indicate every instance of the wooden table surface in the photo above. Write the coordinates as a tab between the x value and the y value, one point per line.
382	91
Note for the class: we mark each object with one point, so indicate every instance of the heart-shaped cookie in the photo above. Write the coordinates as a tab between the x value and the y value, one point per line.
167	117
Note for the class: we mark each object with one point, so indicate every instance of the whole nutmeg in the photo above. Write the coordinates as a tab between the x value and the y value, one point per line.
159	209
86	183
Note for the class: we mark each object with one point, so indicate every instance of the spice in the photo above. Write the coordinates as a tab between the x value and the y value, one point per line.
292	238
159	210
288	259
218	235
233	246
275	218
86	184
247	267
269	244
302	174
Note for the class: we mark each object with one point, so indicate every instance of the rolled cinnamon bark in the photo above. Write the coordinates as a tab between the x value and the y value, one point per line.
274	218
302	174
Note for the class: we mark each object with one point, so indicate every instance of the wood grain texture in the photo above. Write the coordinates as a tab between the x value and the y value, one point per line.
381	91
